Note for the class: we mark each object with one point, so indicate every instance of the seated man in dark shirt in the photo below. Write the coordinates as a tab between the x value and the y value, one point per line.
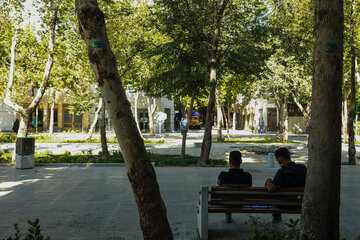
289	175
235	177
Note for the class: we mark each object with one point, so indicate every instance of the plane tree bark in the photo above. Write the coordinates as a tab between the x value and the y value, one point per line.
52	107
352	109
323	174
104	147
141	174
96	117
151	111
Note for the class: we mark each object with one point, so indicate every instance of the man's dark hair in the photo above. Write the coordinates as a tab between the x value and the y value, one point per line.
235	158
283	152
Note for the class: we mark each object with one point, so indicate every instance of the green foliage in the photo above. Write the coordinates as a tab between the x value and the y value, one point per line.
34	232
6	158
5	138
289	69
261	140
184	59
285	231
115	157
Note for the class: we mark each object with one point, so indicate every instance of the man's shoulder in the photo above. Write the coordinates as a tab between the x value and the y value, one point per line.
247	174
300	166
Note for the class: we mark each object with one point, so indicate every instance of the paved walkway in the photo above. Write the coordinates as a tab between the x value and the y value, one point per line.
97	202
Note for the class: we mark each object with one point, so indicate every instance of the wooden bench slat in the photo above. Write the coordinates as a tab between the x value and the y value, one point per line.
267	198
253	210
252	193
256	189
255	202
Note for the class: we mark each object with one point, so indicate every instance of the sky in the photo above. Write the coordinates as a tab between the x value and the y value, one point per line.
34	15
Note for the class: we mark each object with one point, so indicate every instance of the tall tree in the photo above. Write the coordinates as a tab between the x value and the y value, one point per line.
353	20
26	113
212	58
323	174
237	46
152	210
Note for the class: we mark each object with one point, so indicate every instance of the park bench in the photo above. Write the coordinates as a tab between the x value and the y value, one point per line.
245	200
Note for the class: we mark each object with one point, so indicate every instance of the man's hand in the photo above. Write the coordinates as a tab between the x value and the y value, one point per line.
270	186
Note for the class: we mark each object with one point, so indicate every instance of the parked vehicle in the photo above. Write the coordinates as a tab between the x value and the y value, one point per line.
195	122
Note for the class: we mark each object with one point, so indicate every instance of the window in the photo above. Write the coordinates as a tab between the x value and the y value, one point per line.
294	110
71	120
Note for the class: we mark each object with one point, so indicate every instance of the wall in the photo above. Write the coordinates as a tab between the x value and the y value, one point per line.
7	117
297	125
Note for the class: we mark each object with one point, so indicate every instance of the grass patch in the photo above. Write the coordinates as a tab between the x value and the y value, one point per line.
56	139
8	138
261	140
5	157
116	157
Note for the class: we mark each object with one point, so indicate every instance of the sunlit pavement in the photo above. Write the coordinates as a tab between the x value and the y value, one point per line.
97	202
173	142
79	202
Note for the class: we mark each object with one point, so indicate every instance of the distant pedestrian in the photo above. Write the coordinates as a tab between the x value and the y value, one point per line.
16	126
261	125
34	123
183	123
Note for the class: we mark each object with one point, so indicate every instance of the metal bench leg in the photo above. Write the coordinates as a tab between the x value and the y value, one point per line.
202	214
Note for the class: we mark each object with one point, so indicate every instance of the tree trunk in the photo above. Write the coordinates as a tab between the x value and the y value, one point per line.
96	116
320	212
207	139
136	97
219	117
227	118
212	60
246	122
304	111
51	122
25	120
141	174
352	110
285	119
185	130
104	147
279	128
234	119
151	110
344	120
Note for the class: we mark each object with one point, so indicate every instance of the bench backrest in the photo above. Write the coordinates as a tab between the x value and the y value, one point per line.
282	197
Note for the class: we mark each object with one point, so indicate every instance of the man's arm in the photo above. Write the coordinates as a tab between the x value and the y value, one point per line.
270	186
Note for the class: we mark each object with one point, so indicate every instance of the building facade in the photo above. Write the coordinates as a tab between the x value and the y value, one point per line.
65	120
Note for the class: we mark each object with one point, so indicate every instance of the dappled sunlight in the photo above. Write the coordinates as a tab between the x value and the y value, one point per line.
3	193
250	160
7	185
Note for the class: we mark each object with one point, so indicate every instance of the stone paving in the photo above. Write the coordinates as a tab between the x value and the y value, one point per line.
97	202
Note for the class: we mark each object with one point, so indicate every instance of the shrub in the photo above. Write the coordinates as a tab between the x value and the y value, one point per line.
34	232
283	231
6	157
8	137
